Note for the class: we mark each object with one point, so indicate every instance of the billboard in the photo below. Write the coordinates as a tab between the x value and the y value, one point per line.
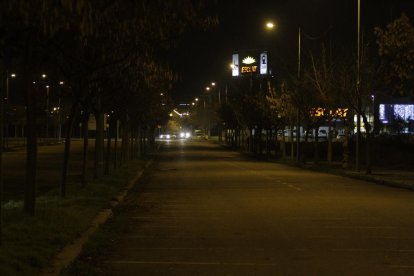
249	62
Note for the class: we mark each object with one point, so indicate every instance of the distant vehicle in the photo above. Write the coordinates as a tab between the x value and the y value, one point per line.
323	133
167	136
185	135
198	134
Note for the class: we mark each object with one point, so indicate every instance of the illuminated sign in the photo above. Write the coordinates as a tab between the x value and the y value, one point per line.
251	63
248	69
248	60
337	113
388	112
263	63
235	66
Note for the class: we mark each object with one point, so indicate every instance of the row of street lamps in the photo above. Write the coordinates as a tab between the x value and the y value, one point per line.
56	110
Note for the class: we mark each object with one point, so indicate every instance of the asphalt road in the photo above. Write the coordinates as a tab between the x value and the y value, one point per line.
49	168
204	210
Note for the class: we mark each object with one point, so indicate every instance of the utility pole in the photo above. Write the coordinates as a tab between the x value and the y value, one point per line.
358	96
298	107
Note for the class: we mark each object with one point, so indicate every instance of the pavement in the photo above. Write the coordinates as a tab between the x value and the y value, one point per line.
398	178
204	210
389	177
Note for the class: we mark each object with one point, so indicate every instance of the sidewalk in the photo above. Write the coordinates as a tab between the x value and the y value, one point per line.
401	178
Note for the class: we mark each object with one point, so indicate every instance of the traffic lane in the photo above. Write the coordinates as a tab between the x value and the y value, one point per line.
224	214
49	168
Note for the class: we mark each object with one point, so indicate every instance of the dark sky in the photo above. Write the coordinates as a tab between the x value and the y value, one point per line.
202	57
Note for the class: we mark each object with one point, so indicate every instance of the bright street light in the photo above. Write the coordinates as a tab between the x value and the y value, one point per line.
207	88
270	25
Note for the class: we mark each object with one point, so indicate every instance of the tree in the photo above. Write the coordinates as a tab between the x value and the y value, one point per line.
396	49
323	78
28	31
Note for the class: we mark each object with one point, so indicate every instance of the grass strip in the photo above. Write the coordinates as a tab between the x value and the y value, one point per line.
31	242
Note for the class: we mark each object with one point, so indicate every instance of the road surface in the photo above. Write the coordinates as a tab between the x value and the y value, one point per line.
204	210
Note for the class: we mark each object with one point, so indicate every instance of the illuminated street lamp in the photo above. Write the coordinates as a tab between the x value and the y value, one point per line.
59	130
6	100
12	75
270	25
47	111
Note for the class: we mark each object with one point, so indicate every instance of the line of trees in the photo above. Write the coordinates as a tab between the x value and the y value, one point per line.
110	53
265	106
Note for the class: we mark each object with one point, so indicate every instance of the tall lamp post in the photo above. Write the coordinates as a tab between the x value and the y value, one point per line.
47	112
358	98
271	26
6	101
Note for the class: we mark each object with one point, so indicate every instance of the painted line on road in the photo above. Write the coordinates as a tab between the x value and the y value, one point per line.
360	227
316	218
373	250
190	263
294	187
403	266
254	172
174	218
206	248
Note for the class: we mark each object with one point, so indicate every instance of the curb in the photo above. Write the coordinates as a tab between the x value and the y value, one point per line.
71	251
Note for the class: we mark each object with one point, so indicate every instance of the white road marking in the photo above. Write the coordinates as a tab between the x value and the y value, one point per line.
402	266
190	263
373	250
360	227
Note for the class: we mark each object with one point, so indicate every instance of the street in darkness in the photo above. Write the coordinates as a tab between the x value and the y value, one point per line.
206	210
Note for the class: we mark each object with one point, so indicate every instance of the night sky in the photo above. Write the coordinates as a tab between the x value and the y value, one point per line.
202	57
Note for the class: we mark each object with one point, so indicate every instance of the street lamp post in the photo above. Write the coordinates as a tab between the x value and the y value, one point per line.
298	107
61	83
6	101
47	112
271	26
358	96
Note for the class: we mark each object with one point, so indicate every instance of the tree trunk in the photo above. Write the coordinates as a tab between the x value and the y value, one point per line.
345	148
125	142
292	144
116	148
99	145
132	143
2	74
329	157
85	131
31	156
316	147
368	144
267	143
66	154
108	150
